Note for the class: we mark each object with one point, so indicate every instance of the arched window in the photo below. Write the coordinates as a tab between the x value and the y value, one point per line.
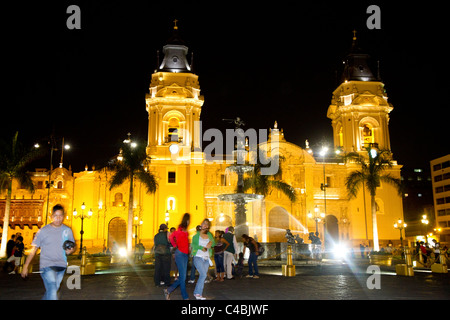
174	126
367	134
118	200
369	131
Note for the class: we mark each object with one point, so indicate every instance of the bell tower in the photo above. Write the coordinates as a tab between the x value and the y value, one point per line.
174	102
174	105
359	109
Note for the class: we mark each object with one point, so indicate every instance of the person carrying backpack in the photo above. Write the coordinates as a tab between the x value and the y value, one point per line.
253	246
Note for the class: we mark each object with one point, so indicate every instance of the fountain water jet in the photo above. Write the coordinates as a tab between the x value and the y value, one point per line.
240	198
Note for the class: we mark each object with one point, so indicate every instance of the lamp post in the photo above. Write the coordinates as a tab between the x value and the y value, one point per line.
317	217
425	222
400	225
82	217
324	186
167	218
136	225
49	183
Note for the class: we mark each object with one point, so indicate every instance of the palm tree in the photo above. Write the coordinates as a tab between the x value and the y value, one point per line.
14	159
372	171
264	184
131	166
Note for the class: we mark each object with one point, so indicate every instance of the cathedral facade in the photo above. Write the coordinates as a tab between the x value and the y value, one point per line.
190	181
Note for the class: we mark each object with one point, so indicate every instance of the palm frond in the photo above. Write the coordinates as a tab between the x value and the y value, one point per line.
285	188
25	180
148	179
121	174
353	182
395	182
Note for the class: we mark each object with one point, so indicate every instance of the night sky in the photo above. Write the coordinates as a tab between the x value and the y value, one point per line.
262	61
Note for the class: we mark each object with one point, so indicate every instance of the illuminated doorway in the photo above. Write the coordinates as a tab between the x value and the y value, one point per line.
117	232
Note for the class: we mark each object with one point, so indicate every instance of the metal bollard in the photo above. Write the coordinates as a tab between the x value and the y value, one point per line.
22	261
420	257
86	268
407	268
83	261
443	259
288	270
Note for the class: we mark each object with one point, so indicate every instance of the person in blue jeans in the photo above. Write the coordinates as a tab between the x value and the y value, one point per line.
53	257
252	245
202	244
180	240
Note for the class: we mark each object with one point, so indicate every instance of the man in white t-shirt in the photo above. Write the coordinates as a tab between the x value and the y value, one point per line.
53	259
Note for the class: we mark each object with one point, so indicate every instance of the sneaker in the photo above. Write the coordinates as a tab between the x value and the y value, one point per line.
199	297
12	272
191	281
166	294
249	276
232	278
255	277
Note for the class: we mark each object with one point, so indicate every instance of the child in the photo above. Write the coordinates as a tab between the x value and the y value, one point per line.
240	265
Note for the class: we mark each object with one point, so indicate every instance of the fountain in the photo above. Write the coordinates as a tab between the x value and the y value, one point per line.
239	198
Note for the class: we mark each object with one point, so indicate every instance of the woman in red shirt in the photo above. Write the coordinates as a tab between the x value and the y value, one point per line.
180	240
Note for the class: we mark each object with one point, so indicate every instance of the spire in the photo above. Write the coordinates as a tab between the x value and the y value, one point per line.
175	52
357	64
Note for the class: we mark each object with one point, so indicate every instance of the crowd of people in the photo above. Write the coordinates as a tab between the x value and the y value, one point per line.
430	254
14	252
173	252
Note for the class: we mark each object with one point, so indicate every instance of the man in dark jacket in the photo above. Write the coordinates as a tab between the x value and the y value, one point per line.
162	257
10	246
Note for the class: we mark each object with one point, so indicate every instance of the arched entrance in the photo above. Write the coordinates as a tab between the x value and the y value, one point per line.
117	232
278	223
331	232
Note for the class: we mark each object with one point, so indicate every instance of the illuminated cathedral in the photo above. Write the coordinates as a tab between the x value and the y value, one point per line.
191	182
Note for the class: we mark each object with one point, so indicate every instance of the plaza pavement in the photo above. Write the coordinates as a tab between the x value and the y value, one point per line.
329	280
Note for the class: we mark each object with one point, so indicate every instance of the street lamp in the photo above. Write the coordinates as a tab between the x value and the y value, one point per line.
425	223
324	186
82	217
400	225
317	217
167	218
49	183
136	225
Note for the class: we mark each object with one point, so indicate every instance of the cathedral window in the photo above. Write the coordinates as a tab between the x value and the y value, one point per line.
368	136
174	126
171	177
118	200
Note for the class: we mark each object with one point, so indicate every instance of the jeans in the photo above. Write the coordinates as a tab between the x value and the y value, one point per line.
52	281
202	266
181	259
218	258
192	270
253	264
